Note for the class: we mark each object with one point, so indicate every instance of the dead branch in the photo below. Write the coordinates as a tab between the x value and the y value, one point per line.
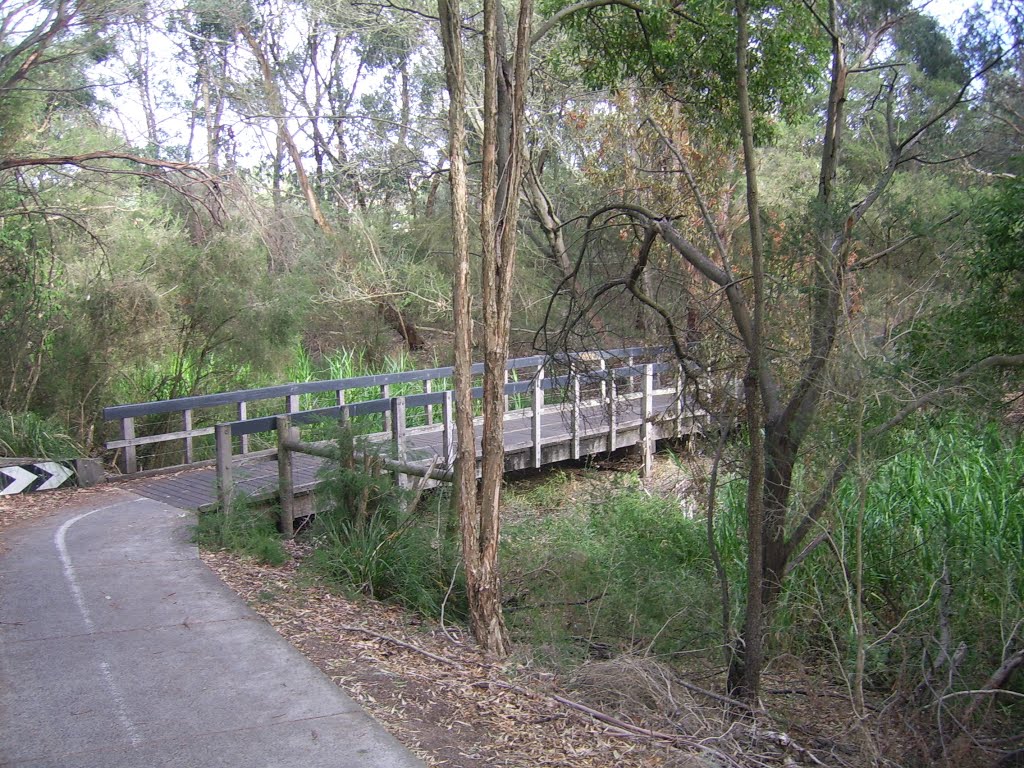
403	644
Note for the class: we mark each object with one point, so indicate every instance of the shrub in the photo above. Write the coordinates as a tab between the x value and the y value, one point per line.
374	538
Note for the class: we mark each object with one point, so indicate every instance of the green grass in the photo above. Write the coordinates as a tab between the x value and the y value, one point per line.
947	500
28	435
619	572
625	570
244	531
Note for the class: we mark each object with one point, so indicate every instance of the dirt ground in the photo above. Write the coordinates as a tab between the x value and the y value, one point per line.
430	686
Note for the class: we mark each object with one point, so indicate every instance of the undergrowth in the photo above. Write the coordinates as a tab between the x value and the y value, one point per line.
622	571
28	435
943	535
389	543
245	531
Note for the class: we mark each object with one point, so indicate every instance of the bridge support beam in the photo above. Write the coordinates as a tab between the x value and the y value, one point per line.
286	434
613	416
448	430
538	412
647	445
575	423
128	457
397	418
225	482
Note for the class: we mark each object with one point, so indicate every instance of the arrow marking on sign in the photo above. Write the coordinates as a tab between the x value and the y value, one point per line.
60	474
20	480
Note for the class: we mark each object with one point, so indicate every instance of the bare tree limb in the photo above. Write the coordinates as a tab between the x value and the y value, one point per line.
583	5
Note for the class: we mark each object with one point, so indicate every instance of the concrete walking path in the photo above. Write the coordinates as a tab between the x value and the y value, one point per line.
119	648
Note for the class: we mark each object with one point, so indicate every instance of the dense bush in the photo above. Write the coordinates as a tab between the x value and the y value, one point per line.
374	538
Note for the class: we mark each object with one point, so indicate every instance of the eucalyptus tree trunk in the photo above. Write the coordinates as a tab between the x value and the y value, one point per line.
779	427
748	659
501	171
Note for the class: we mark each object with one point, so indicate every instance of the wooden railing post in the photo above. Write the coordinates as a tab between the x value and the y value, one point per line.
243	414
291	403
186	425
347	437
646	427
602	366
632	382
447	441
397	414
128	433
385	393
285	476
574	378
504	387
540	383
680	380
538	409
428	409
613	417
225	482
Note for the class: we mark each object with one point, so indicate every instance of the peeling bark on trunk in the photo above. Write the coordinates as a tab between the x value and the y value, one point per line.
486	629
501	171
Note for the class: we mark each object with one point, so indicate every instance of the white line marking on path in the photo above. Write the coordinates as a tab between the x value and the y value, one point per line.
60	541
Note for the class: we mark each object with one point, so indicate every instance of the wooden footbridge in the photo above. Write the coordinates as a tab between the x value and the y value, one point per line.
196	452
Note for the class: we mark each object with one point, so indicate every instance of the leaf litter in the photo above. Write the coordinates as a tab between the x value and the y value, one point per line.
433	689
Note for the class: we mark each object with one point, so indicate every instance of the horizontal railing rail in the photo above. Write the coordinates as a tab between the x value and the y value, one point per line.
594	364
243	427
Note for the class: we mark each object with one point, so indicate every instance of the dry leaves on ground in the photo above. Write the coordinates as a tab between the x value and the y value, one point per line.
441	697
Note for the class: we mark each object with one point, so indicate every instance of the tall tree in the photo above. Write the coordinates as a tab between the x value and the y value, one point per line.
785	376
504	108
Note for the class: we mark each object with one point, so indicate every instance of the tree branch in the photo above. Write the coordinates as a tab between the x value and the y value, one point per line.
583	5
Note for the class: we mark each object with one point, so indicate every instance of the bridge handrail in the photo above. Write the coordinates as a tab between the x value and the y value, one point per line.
240	427
594	365
195	402
605	422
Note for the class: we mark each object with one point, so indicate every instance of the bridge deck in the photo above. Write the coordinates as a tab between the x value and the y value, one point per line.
197	488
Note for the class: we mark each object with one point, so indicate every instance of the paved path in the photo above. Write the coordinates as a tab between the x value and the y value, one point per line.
119	648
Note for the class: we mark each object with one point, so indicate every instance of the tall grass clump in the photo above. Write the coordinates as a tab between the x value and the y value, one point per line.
626	571
244	530
374	538
28	435
943	572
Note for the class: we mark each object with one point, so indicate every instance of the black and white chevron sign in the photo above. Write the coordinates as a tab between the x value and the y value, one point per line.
38	476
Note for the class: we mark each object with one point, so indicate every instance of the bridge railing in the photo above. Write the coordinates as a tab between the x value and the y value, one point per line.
188	419
624	403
